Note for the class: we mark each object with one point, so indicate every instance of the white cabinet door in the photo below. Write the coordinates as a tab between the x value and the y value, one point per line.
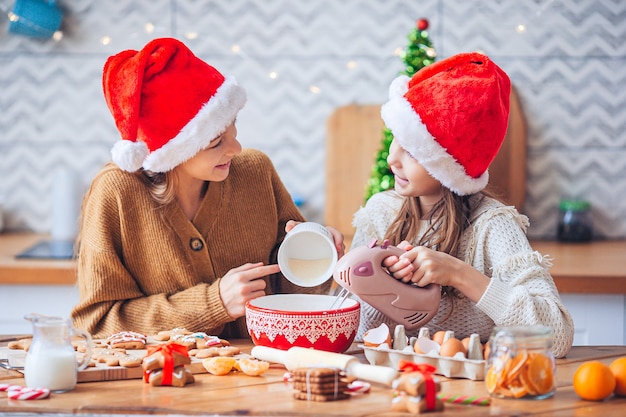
598	318
16	301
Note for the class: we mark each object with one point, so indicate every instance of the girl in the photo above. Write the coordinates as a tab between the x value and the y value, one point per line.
448	123
184	227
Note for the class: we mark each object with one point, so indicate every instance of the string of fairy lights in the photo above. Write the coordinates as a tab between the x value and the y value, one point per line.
236	49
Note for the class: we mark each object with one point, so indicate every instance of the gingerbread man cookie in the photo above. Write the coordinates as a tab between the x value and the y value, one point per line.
127	340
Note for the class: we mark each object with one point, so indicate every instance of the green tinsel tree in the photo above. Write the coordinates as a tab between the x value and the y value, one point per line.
418	54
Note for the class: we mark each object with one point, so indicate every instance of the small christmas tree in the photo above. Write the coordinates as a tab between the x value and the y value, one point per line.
418	54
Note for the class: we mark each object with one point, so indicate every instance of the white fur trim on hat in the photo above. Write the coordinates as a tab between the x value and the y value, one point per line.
129	155
212	119
413	136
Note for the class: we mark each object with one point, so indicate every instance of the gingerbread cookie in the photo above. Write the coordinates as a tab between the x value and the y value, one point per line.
23	344
300	395
204	341
166	335
198	340
116	357
181	376
215	351
414	405
157	360
320	384
81	346
416	391
127	340
413	383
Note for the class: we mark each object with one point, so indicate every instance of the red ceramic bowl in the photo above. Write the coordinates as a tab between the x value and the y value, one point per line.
282	321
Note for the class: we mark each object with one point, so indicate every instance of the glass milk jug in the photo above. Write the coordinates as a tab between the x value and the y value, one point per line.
51	361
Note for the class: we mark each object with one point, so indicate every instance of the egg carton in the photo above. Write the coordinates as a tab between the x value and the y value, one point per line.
451	367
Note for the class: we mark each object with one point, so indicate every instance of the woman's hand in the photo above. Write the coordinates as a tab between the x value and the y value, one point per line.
242	284
336	234
338	239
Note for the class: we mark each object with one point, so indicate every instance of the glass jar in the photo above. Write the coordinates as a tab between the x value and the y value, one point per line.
574	221
521	363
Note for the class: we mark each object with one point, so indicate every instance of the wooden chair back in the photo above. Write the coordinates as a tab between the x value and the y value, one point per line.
354	136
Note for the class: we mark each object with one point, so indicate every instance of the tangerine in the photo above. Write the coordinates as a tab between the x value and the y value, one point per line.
618	367
594	381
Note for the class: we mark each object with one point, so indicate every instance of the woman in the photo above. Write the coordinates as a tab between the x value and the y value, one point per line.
448	123
184	226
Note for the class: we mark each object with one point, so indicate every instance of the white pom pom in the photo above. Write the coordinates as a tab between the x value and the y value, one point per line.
399	86
129	155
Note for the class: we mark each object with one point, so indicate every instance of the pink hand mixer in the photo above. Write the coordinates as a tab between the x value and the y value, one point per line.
360	271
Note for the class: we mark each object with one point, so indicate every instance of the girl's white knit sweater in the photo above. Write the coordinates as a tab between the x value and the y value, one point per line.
521	291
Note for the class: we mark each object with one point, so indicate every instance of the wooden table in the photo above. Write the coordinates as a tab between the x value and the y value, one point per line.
236	394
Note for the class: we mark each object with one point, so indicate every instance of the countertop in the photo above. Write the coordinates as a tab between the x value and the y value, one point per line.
597	267
31	271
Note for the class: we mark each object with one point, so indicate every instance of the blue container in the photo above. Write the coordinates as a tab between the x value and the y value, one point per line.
35	18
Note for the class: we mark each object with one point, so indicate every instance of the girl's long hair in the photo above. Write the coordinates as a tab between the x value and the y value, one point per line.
448	219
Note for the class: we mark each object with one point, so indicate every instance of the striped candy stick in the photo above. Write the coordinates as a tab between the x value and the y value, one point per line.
464	399
18	392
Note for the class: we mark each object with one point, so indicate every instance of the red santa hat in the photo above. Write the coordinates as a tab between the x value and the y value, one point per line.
167	104
452	117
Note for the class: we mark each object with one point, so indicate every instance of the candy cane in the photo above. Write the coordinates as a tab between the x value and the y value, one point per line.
7	387
464	399
359	387
17	392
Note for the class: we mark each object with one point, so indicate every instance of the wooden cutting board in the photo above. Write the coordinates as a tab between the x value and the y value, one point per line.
102	371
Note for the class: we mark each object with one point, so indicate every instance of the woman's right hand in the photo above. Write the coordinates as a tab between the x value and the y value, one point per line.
242	284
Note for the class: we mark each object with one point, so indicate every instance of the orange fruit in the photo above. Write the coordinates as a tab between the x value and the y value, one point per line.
539	374
514	366
491	380
593	381
618	367
517	391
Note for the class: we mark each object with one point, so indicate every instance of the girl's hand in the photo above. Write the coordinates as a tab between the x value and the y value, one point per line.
242	284
400	267
423	266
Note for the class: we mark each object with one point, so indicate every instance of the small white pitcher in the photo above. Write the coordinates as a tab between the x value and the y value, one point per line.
51	361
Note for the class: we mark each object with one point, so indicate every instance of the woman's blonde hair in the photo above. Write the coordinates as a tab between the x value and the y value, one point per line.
161	185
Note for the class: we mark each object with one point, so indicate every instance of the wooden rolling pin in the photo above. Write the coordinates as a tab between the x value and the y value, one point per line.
298	357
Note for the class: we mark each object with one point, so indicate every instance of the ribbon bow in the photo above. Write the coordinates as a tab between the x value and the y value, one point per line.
427	372
168	350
